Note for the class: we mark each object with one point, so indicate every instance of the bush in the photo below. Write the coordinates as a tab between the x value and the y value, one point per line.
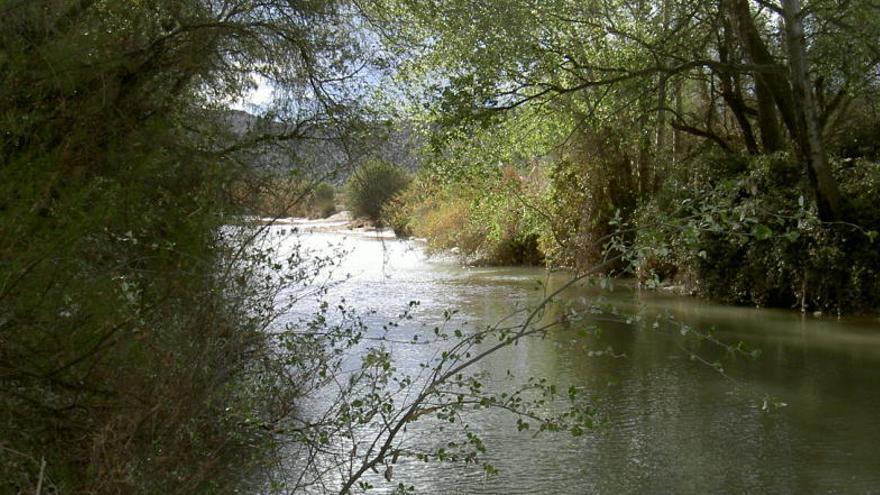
751	238
479	221
287	196
589	183
371	186
432	212
397	213
321	203
133	350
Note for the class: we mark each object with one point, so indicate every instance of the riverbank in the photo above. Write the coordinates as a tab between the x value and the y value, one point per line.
653	267
339	223
734	229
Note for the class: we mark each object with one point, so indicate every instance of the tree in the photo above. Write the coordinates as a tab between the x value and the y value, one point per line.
809	135
134	302
612	57
371	186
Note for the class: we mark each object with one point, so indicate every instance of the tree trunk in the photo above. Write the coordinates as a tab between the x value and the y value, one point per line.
810	145
676	134
661	113
662	156
770	79
644	159
730	89
768	122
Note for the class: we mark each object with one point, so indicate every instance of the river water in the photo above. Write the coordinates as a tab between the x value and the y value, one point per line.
803	417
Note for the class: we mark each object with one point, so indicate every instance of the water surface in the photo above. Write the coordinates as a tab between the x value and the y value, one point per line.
673	423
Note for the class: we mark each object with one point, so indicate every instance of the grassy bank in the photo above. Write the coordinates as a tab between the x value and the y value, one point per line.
730	228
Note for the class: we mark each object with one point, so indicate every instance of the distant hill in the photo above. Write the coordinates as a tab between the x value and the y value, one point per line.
277	147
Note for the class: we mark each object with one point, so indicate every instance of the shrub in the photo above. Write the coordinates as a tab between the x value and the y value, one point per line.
397	213
751	238
322	201
590	184
371	186
479	221
134	356
287	196
436	214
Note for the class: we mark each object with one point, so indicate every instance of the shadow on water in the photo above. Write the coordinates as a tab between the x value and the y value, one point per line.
674	424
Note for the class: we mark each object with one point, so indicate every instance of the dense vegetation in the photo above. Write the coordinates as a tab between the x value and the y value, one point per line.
147	343
371	186
134	355
729	147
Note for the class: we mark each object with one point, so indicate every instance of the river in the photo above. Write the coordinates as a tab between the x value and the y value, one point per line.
803	417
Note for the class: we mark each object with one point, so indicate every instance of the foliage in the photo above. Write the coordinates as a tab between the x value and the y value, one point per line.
590	186
371	186
618	112
747	237
291	196
462	218
146	337
398	211
322	201
133	304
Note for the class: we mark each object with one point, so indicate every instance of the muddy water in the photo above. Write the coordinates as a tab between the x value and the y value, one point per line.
673	424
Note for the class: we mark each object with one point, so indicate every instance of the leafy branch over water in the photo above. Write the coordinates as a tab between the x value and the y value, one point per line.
365	418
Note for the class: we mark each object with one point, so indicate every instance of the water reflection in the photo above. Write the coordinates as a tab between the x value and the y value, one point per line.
674	425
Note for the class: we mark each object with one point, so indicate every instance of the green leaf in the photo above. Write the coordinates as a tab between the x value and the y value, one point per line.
762	232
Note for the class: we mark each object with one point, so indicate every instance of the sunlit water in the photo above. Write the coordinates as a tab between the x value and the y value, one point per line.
674	424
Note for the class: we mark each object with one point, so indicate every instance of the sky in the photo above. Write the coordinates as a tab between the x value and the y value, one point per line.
257	98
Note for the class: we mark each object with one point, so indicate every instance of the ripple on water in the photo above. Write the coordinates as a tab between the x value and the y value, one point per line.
673	424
